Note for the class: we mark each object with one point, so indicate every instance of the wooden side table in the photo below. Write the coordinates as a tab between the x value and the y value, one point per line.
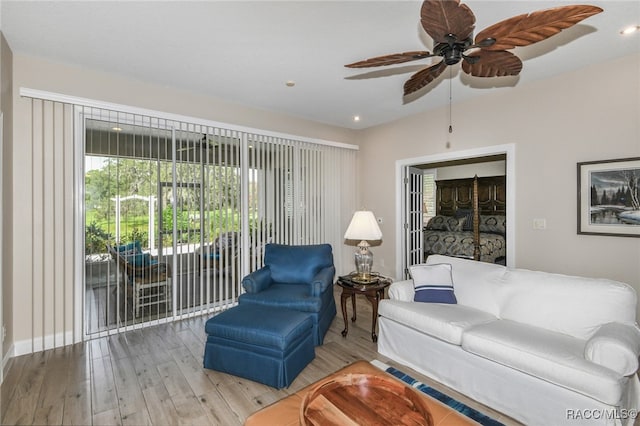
373	291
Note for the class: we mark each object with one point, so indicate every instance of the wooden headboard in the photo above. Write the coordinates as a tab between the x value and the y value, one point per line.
455	194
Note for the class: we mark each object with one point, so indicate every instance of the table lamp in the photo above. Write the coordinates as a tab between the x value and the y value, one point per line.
363	227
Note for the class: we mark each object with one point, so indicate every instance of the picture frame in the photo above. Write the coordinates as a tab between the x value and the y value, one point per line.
609	197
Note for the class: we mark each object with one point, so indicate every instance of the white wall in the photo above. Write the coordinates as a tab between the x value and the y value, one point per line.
489	168
590	114
40	74
6	168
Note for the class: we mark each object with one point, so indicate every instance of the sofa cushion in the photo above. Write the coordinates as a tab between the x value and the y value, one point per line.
129	249
134	247
475	283
290	296
443	321
402	290
572	305
139	259
433	283
551	356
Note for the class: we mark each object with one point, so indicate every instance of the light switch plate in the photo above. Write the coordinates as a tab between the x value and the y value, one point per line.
539	224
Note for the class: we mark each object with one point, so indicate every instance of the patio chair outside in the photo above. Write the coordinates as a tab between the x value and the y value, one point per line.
149	280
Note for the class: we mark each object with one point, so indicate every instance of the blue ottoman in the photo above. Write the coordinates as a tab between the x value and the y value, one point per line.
260	343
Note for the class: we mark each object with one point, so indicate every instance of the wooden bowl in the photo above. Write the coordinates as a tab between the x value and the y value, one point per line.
364	399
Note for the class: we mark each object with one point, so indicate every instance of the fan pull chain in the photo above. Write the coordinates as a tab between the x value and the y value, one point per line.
450	100
450	109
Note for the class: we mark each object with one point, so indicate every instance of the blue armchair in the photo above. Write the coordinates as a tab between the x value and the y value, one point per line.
298	278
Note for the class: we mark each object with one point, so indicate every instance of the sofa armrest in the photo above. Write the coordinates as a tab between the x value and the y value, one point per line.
322	281
257	281
615	346
402	291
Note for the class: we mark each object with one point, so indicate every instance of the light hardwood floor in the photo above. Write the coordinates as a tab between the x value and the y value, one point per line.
155	376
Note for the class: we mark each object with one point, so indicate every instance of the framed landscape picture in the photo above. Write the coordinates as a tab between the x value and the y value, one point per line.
609	197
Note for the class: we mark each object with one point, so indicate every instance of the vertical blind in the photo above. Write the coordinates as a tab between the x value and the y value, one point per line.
200	198
49	282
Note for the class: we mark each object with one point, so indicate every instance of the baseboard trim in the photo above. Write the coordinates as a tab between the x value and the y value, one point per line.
5	362
29	346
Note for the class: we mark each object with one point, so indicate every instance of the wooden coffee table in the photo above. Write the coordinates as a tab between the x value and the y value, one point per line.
286	412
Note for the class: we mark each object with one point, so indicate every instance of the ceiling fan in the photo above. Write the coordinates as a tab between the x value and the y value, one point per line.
201	144
451	23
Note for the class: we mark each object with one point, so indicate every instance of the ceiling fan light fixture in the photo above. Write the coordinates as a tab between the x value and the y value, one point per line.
630	30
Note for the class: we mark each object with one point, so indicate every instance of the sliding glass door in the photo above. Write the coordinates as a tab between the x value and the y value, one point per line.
162	223
176	213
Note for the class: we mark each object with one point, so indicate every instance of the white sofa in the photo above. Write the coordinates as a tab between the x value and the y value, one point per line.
545	349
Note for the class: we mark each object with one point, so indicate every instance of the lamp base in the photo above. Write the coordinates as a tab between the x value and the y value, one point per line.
364	262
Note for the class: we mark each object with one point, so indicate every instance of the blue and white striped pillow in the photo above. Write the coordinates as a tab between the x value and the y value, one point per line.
433	283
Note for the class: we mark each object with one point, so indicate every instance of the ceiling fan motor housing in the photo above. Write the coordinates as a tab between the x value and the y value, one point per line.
452	50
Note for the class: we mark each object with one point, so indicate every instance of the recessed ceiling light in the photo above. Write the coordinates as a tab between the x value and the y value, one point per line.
116	129
290	83
356	118
630	30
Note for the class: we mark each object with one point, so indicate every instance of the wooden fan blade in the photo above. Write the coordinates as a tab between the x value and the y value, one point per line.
395	58
439	18
526	29
498	63
423	77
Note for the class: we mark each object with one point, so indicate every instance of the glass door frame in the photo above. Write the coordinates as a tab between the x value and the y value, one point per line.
81	115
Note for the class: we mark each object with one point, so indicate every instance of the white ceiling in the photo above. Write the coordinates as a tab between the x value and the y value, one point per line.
244	52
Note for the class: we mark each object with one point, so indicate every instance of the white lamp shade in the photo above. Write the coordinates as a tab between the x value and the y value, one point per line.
363	226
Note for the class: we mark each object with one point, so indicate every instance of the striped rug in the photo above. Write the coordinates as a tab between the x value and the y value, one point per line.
464	409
